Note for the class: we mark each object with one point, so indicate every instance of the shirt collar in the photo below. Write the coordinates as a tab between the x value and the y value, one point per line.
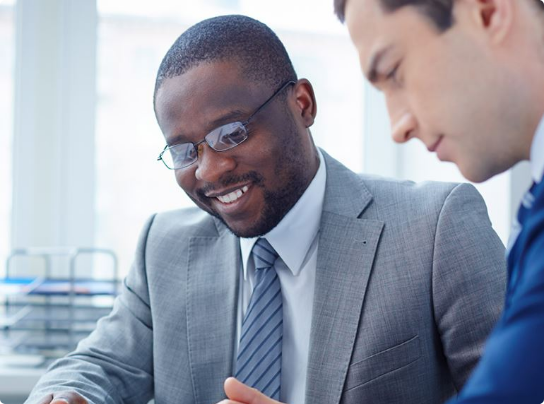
537	153
295	233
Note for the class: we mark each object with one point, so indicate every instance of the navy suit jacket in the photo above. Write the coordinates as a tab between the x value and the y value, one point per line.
511	370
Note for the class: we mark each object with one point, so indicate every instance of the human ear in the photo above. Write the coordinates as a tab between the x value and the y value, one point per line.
306	107
495	17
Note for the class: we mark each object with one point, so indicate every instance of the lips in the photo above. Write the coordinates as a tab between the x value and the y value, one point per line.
234	203
434	146
232	196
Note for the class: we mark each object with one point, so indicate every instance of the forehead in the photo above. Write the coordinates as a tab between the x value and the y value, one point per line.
192	101
372	29
366	22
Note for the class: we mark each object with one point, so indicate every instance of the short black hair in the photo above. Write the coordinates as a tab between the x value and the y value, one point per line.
252	45
440	12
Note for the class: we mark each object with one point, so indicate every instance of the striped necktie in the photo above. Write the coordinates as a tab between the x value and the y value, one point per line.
259	354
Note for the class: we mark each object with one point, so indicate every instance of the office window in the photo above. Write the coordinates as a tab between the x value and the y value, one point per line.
6	122
133	38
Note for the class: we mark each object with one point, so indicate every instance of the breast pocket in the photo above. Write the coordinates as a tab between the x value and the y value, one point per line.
382	363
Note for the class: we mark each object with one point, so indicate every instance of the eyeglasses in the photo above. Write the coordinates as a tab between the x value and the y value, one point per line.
220	139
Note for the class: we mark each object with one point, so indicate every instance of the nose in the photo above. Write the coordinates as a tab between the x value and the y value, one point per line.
403	128
211	165
404	124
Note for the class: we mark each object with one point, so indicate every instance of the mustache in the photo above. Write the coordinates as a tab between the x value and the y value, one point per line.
252	176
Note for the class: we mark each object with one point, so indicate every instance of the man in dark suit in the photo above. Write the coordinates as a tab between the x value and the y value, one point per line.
466	77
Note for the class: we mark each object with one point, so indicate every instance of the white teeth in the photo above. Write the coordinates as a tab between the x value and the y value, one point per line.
233	196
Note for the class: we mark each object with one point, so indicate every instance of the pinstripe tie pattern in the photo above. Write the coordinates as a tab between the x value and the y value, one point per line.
259	355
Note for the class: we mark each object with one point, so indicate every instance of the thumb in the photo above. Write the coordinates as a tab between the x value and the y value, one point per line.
238	391
68	397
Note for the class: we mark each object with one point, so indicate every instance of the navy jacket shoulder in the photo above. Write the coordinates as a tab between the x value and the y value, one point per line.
512	367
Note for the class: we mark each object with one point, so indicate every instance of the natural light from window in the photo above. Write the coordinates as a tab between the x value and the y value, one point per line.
6	122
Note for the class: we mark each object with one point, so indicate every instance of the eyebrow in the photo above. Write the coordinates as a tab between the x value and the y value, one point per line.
178	139
228	118
374	62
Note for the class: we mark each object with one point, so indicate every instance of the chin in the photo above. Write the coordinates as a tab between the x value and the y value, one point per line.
475	177
481	173
245	230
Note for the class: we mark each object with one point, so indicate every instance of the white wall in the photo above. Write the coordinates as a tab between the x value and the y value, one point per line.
53	143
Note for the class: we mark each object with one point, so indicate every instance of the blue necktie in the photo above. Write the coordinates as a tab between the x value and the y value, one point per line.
259	355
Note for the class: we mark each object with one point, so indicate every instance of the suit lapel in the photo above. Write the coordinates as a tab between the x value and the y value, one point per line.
212	293
347	246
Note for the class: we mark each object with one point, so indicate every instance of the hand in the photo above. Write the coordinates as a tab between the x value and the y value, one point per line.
239	393
63	397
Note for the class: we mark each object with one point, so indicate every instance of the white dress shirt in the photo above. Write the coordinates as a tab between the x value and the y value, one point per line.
295	239
537	168
537	153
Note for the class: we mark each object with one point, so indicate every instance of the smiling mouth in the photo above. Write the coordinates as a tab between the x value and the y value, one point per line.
232	196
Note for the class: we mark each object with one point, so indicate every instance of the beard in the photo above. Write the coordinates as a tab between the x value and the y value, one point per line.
290	168
277	203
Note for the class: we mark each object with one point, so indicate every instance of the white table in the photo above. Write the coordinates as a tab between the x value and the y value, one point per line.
16	383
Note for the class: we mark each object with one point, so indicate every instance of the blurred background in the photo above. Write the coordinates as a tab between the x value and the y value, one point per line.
79	140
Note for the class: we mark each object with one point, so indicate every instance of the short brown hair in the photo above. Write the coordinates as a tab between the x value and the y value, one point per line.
440	12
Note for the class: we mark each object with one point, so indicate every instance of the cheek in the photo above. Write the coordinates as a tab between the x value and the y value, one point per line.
186	180
436	96
435	76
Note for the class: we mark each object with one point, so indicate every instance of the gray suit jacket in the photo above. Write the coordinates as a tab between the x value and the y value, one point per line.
410	280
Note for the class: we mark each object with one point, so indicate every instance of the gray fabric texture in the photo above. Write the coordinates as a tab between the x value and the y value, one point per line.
410	280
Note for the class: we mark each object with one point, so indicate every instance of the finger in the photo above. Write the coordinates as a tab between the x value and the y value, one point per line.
238	391
46	400
68	397
229	402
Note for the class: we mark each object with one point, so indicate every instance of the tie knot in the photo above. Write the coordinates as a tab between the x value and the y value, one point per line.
264	254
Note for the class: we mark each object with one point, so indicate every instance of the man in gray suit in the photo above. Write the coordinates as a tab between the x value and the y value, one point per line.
372	290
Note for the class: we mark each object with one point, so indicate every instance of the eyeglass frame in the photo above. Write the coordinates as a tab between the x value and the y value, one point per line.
244	124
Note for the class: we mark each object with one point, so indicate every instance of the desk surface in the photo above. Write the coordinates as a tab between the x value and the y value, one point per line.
18	381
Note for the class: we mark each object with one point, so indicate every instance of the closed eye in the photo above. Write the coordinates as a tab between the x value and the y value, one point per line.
392	75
